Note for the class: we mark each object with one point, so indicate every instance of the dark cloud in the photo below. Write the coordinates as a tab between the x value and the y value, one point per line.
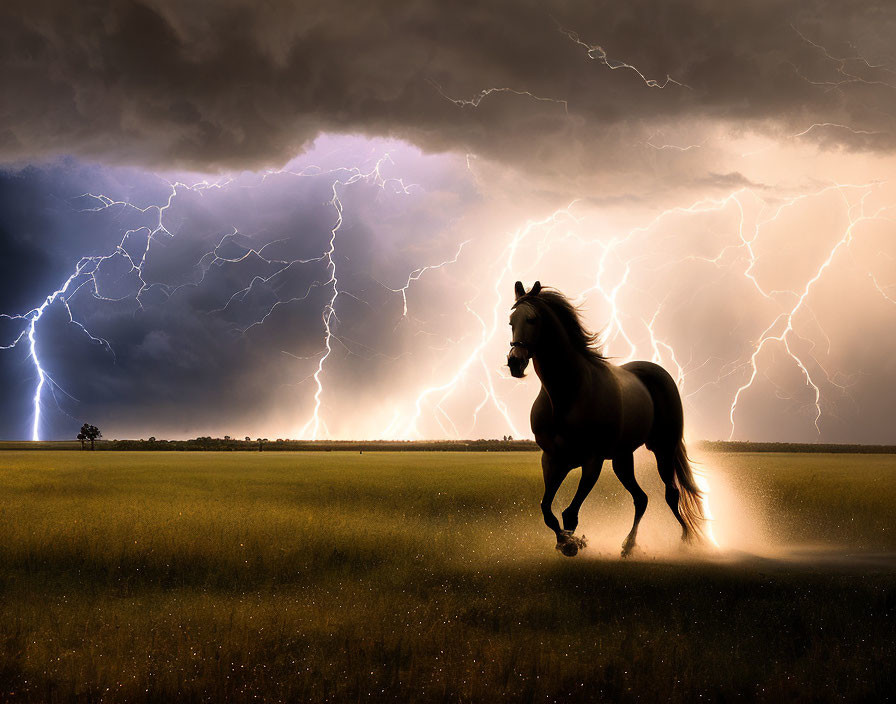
218	85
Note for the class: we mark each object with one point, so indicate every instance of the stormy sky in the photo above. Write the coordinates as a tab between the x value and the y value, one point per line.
219	185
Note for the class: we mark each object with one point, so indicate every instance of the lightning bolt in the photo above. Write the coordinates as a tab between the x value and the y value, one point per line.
595	52
881	289
30	334
834	125
417	273
481	95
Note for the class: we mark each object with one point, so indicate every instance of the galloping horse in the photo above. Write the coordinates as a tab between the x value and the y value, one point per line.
589	410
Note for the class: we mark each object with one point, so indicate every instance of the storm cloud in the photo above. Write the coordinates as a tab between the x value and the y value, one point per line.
243	84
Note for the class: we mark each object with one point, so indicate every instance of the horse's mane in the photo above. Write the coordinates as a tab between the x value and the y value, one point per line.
569	316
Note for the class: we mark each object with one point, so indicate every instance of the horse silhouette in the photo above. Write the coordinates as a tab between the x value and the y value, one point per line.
589	410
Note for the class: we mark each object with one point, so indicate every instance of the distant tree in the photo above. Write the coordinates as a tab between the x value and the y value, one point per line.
91	432
82	437
248	439
510	438
261	442
227	437
152	438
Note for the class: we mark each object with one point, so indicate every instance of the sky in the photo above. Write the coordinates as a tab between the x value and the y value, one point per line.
306	220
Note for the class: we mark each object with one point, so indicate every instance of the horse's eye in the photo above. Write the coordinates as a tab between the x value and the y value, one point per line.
530	320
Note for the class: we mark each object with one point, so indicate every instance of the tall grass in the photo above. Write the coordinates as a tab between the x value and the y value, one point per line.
344	577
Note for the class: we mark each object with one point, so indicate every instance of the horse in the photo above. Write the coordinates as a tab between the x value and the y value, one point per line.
590	410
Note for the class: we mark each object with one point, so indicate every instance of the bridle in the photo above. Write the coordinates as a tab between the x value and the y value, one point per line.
522	345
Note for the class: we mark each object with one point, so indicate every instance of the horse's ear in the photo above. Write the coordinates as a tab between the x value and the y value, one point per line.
519	290
536	287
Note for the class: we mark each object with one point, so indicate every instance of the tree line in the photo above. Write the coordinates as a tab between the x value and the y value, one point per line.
228	443
90	434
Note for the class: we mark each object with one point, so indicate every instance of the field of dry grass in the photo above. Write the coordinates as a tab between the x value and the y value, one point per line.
430	577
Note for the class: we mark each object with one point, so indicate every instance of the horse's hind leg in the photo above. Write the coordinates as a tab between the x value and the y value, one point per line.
665	463
624	467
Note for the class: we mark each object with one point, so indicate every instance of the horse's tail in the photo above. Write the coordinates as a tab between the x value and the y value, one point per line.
690	500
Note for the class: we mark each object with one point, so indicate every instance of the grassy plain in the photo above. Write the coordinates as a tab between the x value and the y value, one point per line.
430	577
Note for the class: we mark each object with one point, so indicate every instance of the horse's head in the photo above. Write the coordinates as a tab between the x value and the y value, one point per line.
524	324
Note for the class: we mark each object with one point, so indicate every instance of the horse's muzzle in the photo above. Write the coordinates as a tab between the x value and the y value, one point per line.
518	360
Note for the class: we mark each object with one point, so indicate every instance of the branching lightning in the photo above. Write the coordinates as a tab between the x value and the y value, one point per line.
31	319
629	336
848	76
85	274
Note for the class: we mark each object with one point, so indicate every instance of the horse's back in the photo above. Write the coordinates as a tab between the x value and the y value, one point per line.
668	413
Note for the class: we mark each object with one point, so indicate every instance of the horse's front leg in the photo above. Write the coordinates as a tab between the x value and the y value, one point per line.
554	473
590	473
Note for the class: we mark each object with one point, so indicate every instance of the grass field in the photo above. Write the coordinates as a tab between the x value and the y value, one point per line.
430	577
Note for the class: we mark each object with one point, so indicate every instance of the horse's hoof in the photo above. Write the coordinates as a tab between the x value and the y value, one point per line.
569	544
569	548
627	549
